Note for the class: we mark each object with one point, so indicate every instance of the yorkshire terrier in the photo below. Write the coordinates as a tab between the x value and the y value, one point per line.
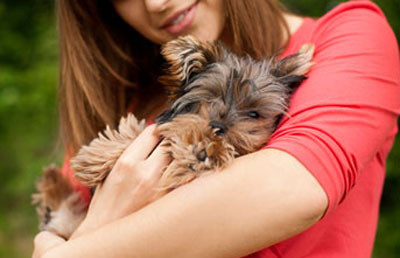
222	106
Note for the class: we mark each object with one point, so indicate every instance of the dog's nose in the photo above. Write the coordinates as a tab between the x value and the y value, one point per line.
222	129
202	155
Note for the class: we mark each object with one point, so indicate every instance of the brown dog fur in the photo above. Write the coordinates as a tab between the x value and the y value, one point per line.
60	209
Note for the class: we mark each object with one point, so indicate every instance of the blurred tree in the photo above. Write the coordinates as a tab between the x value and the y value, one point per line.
28	75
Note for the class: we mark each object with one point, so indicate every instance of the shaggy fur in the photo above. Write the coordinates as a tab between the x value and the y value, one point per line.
222	106
93	162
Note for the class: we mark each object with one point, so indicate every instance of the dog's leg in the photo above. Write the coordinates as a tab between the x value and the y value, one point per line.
60	209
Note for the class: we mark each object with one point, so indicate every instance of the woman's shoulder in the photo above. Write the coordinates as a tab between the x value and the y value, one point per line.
353	25
356	29
358	18
356	32
350	8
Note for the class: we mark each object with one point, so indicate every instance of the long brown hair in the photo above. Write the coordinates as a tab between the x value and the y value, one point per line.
105	65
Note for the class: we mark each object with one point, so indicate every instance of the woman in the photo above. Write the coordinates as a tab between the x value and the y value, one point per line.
312	192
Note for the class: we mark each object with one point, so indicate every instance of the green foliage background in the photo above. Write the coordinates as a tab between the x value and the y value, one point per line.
28	120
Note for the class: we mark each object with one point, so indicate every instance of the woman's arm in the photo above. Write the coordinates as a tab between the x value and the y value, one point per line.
261	199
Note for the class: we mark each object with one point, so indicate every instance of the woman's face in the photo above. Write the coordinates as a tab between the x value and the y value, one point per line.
163	20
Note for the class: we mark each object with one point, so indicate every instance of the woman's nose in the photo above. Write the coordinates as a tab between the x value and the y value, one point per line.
156	6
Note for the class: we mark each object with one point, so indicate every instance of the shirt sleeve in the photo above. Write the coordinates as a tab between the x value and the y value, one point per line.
66	170
347	109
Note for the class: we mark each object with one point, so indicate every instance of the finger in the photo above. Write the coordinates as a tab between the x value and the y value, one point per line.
142	146
159	158
44	241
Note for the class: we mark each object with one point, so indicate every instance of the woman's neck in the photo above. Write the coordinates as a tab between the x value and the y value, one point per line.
293	21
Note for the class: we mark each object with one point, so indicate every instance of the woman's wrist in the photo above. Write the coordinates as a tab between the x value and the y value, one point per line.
88	225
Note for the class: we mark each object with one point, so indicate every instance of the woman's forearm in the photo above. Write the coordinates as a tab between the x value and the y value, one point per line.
261	199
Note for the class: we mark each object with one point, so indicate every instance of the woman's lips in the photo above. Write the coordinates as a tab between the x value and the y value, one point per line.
181	21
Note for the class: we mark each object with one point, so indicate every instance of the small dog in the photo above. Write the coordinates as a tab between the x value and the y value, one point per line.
222	106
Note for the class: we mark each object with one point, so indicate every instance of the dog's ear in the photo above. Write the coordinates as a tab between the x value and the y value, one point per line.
186	56
291	70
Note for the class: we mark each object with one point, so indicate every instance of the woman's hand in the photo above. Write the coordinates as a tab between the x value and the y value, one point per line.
131	185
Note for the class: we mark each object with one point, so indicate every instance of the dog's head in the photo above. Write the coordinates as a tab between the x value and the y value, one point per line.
237	99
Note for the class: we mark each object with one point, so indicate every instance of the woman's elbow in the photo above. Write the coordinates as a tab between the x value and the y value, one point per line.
317	203
305	193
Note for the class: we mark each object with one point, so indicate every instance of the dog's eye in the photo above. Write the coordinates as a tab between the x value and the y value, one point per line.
253	114
188	108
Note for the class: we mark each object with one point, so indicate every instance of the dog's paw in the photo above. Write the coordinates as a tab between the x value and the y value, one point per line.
66	219
60	209
94	162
